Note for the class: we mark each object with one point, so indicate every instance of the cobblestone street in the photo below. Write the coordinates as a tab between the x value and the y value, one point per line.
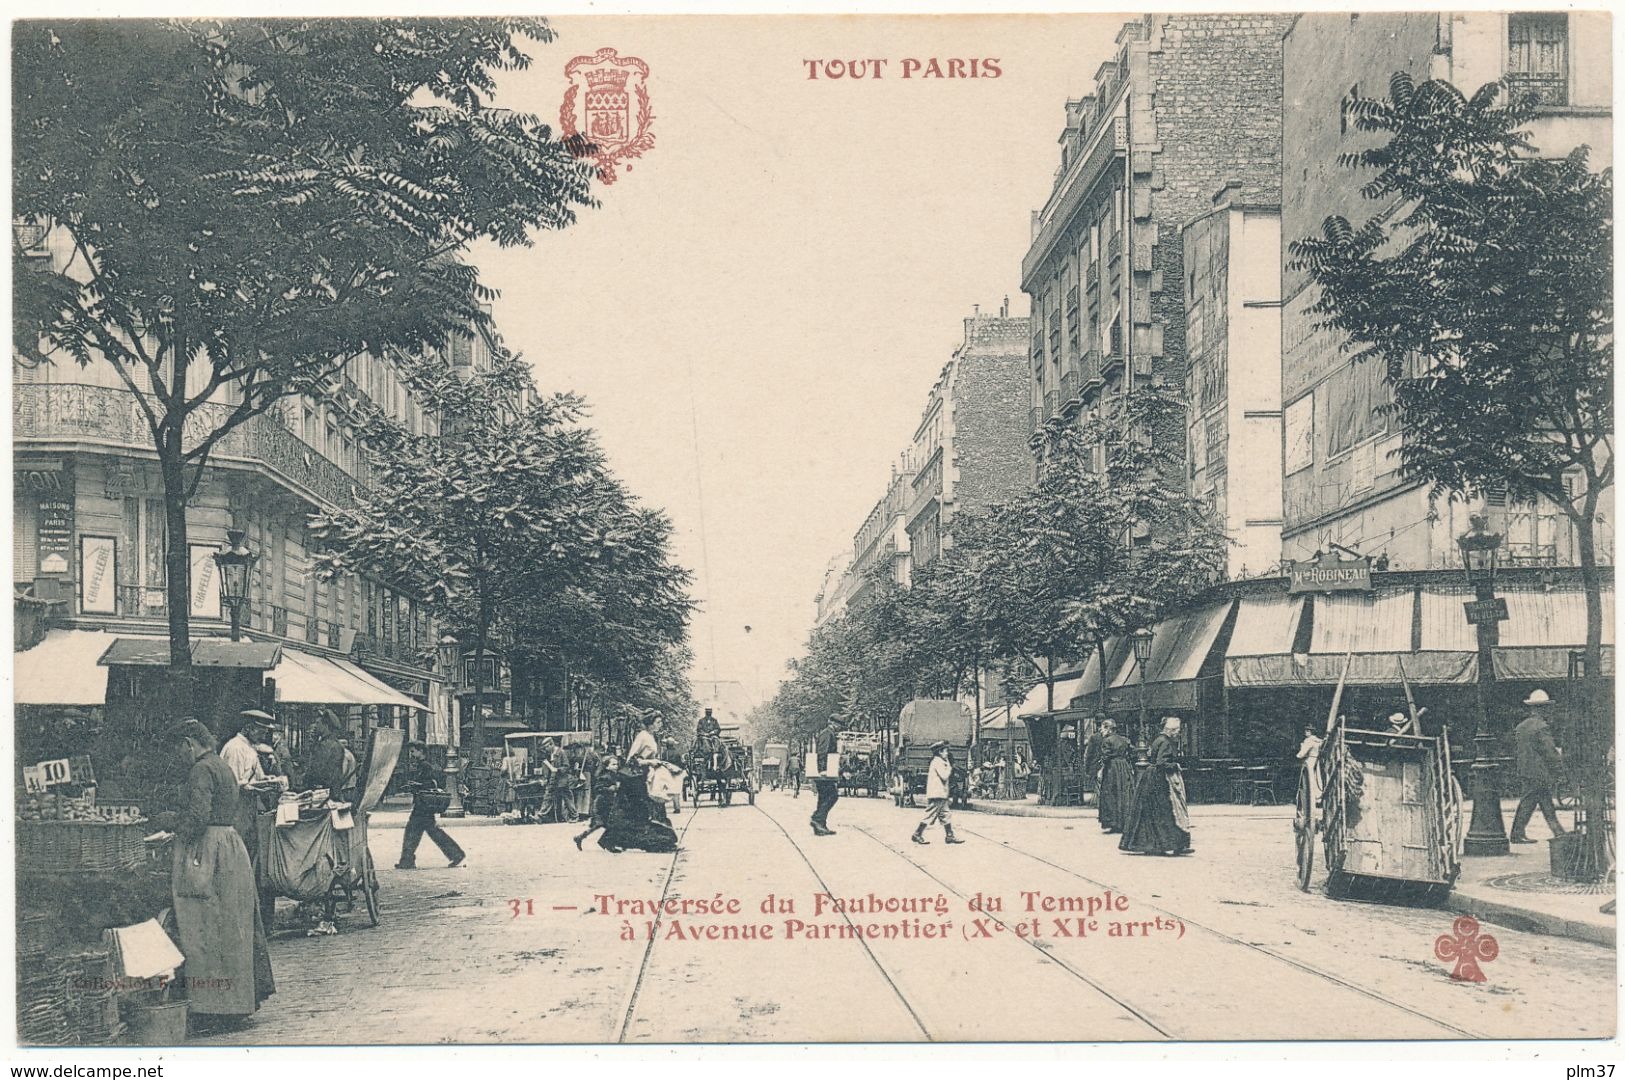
1257	959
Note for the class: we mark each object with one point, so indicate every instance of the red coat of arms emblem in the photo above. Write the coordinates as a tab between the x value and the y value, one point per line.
606	113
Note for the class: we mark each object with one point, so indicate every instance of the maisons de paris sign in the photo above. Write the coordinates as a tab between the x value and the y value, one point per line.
1328	573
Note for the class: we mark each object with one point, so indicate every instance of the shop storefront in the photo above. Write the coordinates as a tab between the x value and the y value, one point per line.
1250	665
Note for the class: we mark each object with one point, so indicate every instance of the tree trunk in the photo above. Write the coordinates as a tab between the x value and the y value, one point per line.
1100	650
1592	861
177	557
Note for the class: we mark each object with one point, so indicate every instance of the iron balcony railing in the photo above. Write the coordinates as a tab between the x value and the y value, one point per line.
111	416
1090	371
1069	387
1552	88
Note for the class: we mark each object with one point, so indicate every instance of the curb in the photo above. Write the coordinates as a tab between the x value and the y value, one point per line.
1529	920
1087	813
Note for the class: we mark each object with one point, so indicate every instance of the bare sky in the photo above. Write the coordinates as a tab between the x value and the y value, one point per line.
788	269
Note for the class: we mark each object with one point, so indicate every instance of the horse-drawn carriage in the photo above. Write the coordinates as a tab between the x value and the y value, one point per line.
772	771
1387	808
720	766
863	766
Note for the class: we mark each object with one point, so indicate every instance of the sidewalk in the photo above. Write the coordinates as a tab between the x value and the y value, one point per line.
1519	890
1516	890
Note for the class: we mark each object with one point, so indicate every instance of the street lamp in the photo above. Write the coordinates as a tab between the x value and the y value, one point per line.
236	565
1486	835
1142	656
449	651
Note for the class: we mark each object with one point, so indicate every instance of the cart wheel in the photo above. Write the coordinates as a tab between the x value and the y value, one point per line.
1303	824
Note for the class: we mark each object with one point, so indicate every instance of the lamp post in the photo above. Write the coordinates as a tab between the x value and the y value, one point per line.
1142	656
449	651
236	565
1486	835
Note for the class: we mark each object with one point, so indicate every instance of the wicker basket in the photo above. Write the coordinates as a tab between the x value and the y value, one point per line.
431	802
81	845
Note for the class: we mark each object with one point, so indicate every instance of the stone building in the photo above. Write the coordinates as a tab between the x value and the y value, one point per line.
89	537
1186	104
832	591
1233	374
882	540
969	451
970	445
1341	485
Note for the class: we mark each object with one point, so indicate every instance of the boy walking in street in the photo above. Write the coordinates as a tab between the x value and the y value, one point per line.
936	796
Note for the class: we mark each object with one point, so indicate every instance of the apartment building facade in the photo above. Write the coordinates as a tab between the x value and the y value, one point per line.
1342	487
1186	104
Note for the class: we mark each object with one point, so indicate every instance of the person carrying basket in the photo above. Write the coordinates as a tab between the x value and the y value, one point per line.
428	800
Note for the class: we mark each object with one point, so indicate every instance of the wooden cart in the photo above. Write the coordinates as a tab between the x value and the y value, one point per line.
1389	814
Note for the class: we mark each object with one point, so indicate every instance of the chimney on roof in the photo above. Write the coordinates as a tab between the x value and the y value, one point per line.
1004	308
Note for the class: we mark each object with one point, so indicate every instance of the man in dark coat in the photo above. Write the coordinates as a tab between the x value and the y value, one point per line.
825	747
425	779
1540	767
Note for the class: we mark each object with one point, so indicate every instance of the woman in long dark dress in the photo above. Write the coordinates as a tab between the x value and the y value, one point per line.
635	819
1116	778
228	967
1159	823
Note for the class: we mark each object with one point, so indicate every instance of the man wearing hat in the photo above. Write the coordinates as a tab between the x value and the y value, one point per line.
1540	767
936	796
242	756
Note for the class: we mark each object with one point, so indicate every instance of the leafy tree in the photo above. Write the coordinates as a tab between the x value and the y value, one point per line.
251	203
1483	286
476	514
606	626
1106	542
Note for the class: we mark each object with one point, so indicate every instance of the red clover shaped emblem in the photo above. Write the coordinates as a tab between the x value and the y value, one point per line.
1468	948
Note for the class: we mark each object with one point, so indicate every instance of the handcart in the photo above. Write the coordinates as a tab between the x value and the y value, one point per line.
1389	812
324	854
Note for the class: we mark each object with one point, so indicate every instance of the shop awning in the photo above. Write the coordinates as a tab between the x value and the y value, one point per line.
206	652
378	684
1375	627
1543	627
305	678
1179	647
1260	649
63	670
1449	648
1000	721
1087	695
1037	701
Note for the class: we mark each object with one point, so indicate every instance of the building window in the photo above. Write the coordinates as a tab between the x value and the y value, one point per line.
1538	56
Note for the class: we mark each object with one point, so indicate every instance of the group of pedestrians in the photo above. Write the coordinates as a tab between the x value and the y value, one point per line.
1150	811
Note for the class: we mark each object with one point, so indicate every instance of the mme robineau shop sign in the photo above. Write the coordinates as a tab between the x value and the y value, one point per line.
1329	574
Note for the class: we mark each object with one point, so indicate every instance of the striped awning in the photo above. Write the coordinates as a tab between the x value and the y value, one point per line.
1260	649
1542	628
1179	647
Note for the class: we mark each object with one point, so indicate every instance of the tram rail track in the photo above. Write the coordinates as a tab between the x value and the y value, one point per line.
1308	969
1071	970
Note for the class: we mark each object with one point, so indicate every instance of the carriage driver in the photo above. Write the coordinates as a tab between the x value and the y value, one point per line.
708	736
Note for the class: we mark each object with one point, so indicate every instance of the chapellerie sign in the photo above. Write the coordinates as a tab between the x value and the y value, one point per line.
1329	574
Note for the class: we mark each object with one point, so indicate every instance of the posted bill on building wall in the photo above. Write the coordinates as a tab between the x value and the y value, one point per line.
705	528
